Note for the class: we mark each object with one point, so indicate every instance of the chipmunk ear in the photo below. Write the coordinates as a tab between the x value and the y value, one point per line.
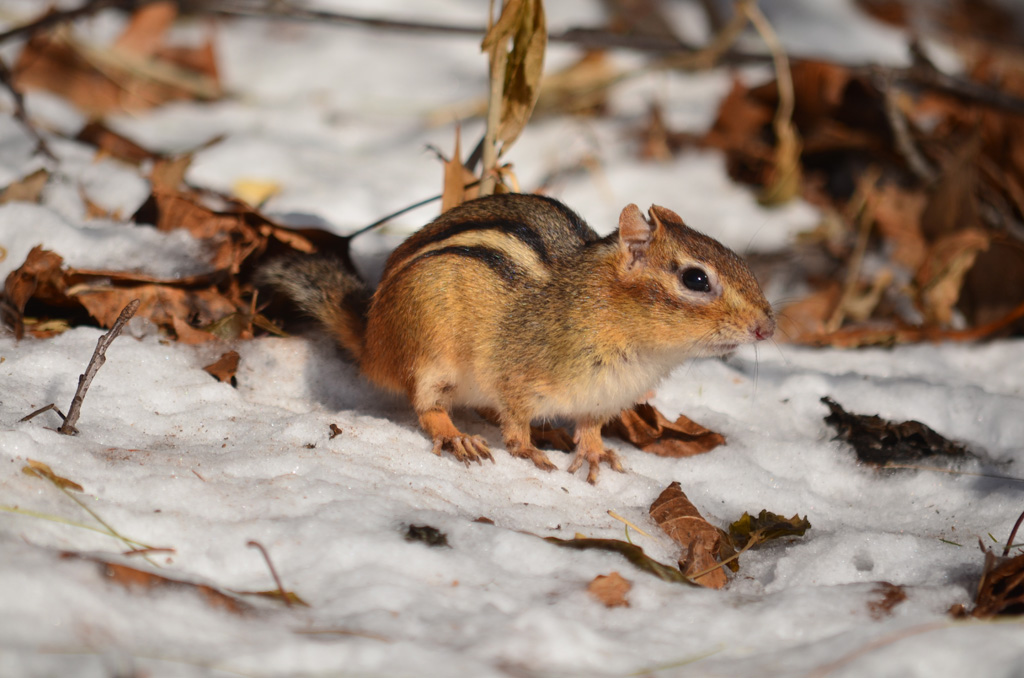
660	215
635	236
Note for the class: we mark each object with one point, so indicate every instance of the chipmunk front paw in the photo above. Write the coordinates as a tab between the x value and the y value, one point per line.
463	447
594	457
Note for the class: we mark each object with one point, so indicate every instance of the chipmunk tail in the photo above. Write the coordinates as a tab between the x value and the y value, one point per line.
322	287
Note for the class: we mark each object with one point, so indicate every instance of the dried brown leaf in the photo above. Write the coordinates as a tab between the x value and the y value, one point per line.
651	431
26	189
610	590
225	367
879	442
110	143
942	275
525	23
1001	590
701	541
147	27
142	581
456	178
40	276
133	74
889	596
41	470
897	216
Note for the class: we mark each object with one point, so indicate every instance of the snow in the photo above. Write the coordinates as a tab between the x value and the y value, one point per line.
172	458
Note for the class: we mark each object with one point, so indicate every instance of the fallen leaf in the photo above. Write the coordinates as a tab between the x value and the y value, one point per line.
140	580
648	429
701	541
1001	589
224	368
631	552
291	597
941	276
26	189
889	596
110	143
878	442
431	536
255	192
610	590
41	276
765	527
41	470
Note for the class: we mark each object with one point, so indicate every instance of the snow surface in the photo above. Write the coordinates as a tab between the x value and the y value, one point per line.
172	458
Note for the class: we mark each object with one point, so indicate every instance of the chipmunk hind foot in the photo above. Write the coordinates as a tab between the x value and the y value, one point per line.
590	448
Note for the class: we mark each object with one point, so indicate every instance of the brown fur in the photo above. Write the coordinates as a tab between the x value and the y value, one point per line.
514	304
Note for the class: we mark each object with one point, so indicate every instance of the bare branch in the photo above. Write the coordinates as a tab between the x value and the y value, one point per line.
95	363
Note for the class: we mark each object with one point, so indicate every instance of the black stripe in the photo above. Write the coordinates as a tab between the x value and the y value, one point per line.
497	261
517	230
580	227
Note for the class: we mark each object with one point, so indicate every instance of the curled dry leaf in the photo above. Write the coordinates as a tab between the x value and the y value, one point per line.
631	552
765	527
942	274
431	536
135	73
1001	589
878	442
26	189
140	580
456	178
224	368
651	431
888	597
701	541
524	22
610	589
41	470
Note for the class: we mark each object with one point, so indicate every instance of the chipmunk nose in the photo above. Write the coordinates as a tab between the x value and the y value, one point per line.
763	329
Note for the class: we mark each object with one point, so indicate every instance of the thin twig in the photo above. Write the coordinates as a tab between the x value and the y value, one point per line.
615	515
901	132
1013	533
95	363
49	19
33	415
21	115
273	572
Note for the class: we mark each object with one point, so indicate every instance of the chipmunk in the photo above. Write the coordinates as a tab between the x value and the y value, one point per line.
513	304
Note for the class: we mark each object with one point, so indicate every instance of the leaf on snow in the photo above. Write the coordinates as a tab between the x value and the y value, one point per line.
701	541
765	527
878	442
610	589
431	536
41	470
651	431
1001	589
140	580
224	368
26	189
135	73
631	552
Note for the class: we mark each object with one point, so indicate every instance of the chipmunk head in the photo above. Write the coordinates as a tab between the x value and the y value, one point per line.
701	296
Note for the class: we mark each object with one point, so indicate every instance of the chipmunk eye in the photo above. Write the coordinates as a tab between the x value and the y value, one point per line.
695	279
